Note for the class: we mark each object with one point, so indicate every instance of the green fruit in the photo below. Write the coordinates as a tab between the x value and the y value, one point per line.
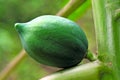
53	40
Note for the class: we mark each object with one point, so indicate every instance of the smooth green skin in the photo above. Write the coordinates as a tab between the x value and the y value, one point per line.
53	40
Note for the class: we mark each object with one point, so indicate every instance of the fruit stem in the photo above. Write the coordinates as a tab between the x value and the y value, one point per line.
91	56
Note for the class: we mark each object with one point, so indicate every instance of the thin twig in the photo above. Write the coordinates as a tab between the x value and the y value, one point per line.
70	7
9	68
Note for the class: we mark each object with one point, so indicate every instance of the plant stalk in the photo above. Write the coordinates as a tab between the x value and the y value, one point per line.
107	26
89	71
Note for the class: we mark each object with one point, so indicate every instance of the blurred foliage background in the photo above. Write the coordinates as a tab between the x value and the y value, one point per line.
12	11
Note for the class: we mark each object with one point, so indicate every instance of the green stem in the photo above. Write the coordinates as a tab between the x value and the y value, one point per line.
80	11
91	56
107	31
70	7
89	71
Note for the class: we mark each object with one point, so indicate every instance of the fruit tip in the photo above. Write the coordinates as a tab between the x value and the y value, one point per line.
19	26
16	24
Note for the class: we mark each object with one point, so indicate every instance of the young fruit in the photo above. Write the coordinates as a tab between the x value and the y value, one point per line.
53	40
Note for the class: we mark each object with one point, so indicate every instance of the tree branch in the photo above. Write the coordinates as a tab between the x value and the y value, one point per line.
70	7
9	68
89	71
